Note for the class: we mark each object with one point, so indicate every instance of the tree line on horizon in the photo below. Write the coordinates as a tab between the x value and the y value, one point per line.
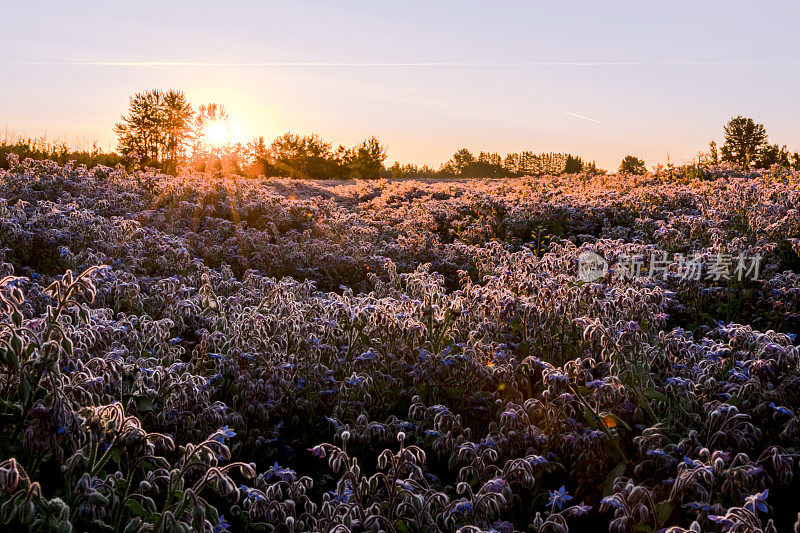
162	130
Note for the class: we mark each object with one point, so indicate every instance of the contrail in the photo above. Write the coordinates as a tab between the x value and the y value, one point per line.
584	117
148	64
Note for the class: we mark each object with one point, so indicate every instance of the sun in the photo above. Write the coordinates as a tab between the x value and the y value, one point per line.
220	133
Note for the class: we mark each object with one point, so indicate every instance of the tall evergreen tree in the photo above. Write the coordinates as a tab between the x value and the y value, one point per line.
713	152
573	165
155	129
177	118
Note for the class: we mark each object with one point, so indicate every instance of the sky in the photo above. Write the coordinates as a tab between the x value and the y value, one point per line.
598	79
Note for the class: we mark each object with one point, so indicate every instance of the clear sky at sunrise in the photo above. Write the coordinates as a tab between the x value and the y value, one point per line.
600	79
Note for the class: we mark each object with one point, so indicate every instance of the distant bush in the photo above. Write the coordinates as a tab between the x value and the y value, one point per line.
632	165
41	148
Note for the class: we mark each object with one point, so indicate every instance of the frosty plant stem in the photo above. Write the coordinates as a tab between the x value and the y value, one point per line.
62	291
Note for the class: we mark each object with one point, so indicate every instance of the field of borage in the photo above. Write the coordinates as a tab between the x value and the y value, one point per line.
214	354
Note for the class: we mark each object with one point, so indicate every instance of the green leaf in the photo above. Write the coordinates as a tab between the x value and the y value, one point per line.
664	512
98	499
134	526
25	388
653	394
99	525
525	348
608	484
144	404
12	360
136	508
16	344
7	511
66	343
16	318
454	392
590	418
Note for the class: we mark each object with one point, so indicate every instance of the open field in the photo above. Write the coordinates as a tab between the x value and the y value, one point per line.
216	354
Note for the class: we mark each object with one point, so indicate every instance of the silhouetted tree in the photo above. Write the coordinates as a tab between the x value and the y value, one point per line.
512	164
591	168
412	171
177	120
42	148
213	146
156	128
138	133
529	164
207	114
713	153
461	160
744	140
490	159
396	171
305	157
257	157
632	165
573	165
366	160
772	154
489	165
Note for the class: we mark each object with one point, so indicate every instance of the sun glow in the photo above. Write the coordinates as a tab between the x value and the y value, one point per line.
220	133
